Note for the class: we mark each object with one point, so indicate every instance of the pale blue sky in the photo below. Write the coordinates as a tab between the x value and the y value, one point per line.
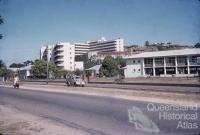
30	24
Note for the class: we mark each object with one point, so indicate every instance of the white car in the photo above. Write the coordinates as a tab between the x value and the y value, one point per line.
75	81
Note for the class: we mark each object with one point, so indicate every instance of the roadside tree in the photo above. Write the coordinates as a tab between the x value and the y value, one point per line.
39	69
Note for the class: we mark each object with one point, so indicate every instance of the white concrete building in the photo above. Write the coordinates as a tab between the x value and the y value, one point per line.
46	53
102	45
81	48
177	63
62	55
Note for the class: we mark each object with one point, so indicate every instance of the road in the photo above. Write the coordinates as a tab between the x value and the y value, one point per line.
169	88
156	87
99	115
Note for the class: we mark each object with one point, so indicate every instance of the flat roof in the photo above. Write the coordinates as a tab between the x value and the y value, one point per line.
181	52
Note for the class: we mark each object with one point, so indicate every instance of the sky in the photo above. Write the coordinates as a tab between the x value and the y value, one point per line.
30	24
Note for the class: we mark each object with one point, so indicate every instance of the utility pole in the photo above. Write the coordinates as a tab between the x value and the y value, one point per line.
47	79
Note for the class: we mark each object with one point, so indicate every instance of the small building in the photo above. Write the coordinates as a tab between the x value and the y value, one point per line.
95	70
177	63
23	72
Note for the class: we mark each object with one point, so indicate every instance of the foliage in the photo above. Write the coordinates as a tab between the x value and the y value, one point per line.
112	67
8	73
61	73
2	68
146	43
39	69
16	65
78	72
28	62
1	22
197	45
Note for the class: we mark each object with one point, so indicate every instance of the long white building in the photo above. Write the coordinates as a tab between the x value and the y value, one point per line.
81	48
102	45
62	55
177	63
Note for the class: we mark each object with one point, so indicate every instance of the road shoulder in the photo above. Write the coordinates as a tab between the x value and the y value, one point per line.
178	98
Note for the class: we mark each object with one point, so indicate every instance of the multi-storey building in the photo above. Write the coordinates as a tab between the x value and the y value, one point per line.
64	54
176	63
46	53
102	45
81	48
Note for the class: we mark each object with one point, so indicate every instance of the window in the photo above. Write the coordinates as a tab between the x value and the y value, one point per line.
138	70
138	61
133	70
133	61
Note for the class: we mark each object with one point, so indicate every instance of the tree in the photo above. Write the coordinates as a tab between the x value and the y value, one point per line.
39	69
1	22
78	72
61	73
109	67
146	43
2	67
28	62
16	65
197	45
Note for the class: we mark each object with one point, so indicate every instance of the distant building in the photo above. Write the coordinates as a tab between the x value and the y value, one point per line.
177	63
102	45
63	54
81	48
23	72
134	49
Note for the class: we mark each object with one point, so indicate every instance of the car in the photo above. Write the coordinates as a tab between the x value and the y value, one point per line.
75	81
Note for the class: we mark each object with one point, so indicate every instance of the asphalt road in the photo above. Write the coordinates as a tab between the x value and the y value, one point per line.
156	87
102	115
169	88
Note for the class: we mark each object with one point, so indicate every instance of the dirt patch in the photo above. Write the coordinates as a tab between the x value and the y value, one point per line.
15	122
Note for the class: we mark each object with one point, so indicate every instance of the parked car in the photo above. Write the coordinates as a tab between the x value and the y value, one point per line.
75	81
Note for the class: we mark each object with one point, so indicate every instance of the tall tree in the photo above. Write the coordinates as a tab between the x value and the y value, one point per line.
197	45
39	69
109	67
1	22
146	43
2	68
16	65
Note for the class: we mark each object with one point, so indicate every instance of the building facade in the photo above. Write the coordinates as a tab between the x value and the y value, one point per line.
81	48
177	63
62	55
102	45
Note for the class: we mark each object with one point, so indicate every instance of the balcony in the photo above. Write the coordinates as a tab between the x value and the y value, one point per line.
58	62
170	64
58	47
194	64
148	65
159	64
181	63
59	56
58	53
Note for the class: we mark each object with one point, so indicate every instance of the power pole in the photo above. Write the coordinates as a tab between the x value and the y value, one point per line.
47	79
